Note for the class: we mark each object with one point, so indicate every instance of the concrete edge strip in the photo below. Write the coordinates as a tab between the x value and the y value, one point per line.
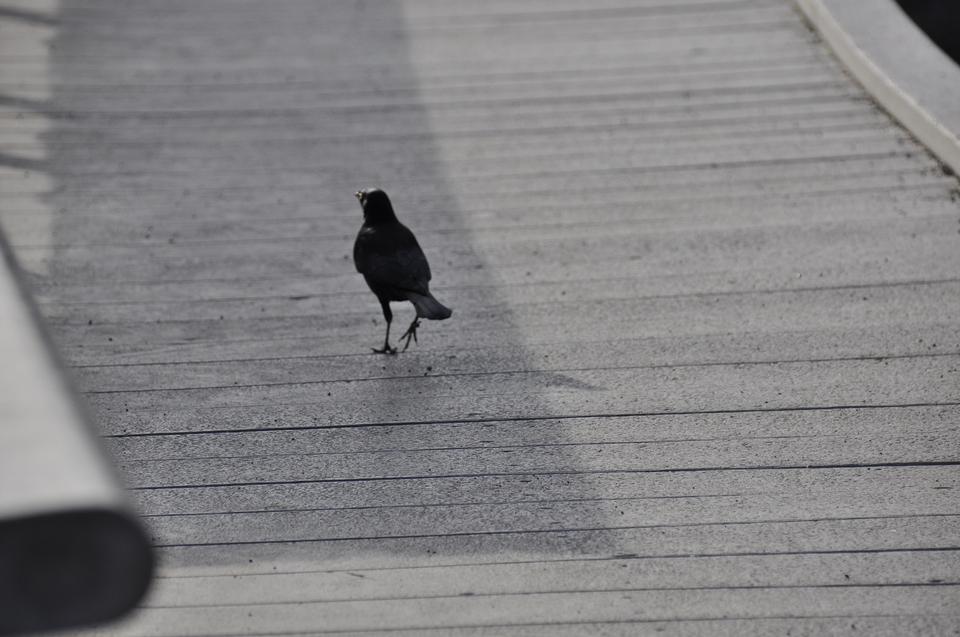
903	106
71	550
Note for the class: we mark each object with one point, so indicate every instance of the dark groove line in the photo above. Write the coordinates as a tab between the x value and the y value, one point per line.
923	174
203	514
506	78
941	185
716	142
455	104
163	251
928	170
838	195
914	169
347	323
599	443
778	21
706	84
578	591
364	293
632	170
551	303
901	152
546	531
606	13
179	221
727	136
504	419
605	558
440	70
734	58
599	622
784	31
865	104
131	243
504	474
80	13
773	26
547	445
533	371
680	223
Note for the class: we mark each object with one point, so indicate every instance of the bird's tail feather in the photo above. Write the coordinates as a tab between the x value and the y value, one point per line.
429	307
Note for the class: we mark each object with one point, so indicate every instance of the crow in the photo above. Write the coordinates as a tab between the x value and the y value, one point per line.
388	256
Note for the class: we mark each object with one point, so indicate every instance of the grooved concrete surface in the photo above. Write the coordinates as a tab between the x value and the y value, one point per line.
703	374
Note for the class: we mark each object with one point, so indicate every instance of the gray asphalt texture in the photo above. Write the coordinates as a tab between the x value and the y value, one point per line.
703	376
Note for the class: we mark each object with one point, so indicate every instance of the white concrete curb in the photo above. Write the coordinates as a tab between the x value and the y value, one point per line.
71	551
896	63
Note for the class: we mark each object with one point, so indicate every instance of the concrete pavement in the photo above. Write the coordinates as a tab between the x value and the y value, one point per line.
702	375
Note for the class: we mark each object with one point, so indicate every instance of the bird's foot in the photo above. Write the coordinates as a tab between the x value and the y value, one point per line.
411	333
386	349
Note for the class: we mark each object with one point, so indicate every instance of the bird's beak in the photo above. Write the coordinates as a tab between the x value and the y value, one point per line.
358	195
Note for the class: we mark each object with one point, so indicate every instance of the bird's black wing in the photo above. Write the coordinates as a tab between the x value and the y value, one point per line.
389	255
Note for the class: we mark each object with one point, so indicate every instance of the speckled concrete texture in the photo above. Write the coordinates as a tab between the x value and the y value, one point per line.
703	374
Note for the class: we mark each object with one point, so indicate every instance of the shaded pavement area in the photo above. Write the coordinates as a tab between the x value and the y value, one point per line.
703	373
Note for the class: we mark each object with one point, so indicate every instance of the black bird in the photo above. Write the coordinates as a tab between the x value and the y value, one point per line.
388	256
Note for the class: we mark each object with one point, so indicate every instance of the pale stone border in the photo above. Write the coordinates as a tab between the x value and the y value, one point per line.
898	65
65	526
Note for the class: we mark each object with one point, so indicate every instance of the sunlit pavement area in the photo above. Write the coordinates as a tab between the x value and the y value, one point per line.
703	371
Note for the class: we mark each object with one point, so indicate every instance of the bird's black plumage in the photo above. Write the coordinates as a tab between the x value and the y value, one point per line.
388	256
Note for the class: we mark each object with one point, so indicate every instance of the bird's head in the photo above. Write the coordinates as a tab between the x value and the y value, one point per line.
376	205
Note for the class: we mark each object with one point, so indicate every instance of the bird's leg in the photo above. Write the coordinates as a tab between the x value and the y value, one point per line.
387	314
386	344
411	333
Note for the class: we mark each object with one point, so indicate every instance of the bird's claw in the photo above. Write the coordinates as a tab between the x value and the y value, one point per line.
411	333
386	350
